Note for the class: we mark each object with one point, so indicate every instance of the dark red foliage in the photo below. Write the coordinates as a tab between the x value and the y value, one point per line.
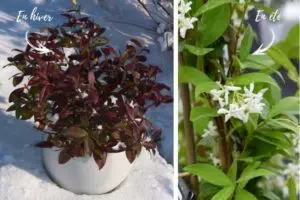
98	95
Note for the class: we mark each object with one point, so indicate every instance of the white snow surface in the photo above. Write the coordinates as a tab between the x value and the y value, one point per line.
22	175
150	179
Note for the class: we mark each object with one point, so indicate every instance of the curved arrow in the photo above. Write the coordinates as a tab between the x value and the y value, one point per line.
41	48
262	51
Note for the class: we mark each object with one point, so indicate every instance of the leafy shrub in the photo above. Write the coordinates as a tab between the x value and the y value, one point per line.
88	98
237	132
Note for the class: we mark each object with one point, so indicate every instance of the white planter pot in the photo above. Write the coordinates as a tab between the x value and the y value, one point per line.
82	175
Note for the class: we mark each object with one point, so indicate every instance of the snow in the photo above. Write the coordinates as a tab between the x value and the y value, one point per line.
151	178
22	175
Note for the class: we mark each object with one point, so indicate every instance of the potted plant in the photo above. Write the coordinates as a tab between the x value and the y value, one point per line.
89	100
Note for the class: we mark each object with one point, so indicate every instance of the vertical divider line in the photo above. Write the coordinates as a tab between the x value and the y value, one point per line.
175	97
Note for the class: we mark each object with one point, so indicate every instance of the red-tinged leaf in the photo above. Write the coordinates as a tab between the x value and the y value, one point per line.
149	145
12	108
131	155
16	94
44	144
44	93
65	113
64	156
17	80
91	78
105	51
113	51
141	58
67	15
93	95
136	42
100	159
156	135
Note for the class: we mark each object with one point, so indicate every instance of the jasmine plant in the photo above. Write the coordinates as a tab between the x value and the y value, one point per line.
238	135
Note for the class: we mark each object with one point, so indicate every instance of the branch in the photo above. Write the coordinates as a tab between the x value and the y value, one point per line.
188	128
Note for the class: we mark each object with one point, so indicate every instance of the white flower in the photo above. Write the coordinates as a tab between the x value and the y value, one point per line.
254	101
227	90
184	7
292	170
217	96
113	99
214	159
234	111
99	127
211	130
296	143
185	23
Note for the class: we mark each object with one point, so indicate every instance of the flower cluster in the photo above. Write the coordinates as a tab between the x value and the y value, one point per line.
185	23
211	130
236	104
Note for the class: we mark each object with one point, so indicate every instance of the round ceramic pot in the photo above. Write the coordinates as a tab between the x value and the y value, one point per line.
81	175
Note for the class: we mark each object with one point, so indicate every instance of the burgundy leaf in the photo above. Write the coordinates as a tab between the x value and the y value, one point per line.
44	144
100	159
136	42
64	157
131	155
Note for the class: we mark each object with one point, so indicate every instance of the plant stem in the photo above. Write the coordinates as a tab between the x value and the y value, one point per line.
188	128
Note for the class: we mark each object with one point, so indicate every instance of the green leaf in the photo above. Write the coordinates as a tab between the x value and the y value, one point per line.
181	45
292	189
242	194
232	172
205	87
278	139
200	125
288	105
213	24
207	190
198	113
291	45
201	116
198	51
224	194
101	41
260	62
211	4
255	77
262	6
280	57
271	196
192	75
284	123
209	173
245	177
246	43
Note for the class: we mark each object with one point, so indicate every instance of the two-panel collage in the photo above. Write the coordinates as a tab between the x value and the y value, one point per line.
149	100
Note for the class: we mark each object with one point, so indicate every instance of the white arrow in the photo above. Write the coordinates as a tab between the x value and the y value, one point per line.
262	51
41	48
